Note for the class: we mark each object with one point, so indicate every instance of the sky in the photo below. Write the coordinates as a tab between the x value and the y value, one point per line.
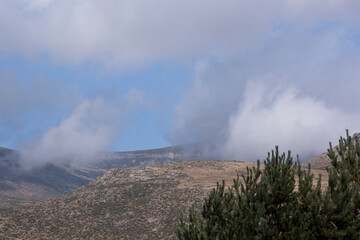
239	77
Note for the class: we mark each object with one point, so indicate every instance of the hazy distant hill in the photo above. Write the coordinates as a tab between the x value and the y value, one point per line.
146	157
136	203
60	178
48	181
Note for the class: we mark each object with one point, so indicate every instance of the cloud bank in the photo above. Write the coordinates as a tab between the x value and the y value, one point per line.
268	73
89	129
242	117
295	86
131	33
50	121
267	117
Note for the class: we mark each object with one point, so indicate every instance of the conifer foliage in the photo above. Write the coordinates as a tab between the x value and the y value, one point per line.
267	205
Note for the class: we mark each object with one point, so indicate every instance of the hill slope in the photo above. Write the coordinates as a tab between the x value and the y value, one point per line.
137	203
60	178
48	181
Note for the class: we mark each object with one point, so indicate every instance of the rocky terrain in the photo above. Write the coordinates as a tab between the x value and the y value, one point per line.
320	162
136	203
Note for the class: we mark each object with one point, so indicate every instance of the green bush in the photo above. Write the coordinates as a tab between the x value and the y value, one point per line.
265	205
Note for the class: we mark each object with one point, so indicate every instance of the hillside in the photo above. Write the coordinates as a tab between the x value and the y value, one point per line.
48	181
322	161
136	203
57	179
60	178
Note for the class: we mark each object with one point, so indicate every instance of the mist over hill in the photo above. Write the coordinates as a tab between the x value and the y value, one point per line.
58	178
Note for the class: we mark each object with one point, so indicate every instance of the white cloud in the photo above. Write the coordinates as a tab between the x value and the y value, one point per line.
118	32
305	57
89	129
269	117
310	46
245	108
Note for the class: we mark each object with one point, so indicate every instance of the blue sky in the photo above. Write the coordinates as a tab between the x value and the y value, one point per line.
80	77
146	128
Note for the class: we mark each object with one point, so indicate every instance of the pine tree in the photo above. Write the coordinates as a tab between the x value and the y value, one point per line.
341	201
266	205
